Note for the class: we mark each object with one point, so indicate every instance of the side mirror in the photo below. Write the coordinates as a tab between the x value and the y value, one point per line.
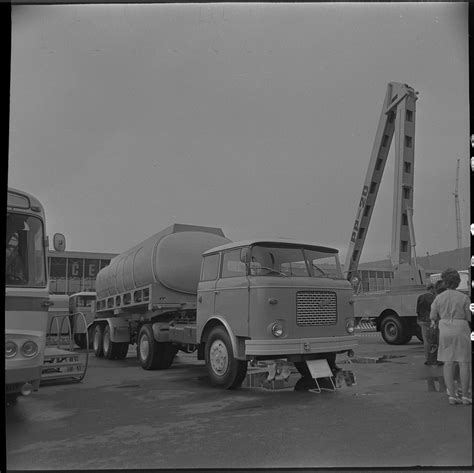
245	254
59	242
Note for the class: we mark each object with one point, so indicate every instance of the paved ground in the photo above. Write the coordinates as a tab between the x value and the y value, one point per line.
122	417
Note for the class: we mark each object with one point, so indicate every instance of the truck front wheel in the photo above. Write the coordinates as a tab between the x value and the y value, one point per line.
223	369
394	331
97	341
154	355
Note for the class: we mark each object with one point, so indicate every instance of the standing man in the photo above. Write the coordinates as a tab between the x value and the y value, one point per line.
423	308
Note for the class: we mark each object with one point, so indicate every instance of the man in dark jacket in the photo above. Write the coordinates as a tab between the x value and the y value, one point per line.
423	307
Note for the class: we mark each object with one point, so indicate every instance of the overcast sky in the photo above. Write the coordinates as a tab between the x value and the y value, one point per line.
256	118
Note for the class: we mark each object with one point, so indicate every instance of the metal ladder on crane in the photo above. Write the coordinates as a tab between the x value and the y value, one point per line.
397	118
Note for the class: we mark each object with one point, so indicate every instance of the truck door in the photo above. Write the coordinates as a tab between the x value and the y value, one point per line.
206	289
232	295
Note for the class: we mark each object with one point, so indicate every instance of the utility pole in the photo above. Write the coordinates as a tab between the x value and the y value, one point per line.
456	205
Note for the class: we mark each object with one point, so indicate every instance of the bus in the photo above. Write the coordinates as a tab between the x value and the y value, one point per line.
27	298
82	302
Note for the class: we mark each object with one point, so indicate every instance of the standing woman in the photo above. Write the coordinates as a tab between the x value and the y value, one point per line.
451	308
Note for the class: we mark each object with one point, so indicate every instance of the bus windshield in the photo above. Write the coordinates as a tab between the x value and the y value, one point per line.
294	261
25	262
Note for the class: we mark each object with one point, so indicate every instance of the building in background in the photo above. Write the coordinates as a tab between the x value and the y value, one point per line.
75	271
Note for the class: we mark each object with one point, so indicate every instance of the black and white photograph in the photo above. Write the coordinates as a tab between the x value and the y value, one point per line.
165	160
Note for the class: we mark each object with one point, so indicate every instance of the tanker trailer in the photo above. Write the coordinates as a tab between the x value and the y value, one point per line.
147	289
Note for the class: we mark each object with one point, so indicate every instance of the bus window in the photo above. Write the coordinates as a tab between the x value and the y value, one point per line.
25	256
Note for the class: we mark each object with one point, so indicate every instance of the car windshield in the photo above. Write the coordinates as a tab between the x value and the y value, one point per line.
25	263
299	261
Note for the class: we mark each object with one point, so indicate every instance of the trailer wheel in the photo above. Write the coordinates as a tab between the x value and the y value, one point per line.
97	341
223	369
154	355
394	330
113	350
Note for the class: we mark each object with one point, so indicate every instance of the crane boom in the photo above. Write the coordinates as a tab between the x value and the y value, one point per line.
397	118
456	206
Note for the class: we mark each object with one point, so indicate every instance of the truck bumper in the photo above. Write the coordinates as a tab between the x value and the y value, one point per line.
301	346
15	379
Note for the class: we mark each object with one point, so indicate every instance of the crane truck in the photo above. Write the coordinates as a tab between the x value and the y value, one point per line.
190	288
393	310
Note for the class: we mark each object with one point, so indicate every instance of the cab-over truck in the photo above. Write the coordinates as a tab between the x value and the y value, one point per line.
189	288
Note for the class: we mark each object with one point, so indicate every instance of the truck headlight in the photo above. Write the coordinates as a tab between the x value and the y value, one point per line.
350	325
277	329
11	349
29	349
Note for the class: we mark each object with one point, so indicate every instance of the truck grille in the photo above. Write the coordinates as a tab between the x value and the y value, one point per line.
316	308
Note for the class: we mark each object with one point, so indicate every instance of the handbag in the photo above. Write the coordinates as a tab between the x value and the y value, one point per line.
433	337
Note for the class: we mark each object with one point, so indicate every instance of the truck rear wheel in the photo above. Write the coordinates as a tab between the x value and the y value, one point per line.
395	331
154	355
113	350
97	341
223	369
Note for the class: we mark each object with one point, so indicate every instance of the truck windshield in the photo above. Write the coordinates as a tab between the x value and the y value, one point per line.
83	301
25	262
294	261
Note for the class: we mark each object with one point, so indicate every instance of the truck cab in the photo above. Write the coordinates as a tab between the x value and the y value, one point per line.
271	299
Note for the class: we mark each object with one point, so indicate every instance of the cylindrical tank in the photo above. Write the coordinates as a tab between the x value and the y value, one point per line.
172	258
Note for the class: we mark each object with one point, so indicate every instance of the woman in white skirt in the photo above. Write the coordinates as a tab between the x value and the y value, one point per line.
451	310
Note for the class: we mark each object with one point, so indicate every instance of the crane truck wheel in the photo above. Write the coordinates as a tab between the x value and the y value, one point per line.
223	369
154	355
113	350
395	331
97	339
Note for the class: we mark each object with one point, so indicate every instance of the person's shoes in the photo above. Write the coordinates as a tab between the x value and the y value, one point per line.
466	400
439	363
454	400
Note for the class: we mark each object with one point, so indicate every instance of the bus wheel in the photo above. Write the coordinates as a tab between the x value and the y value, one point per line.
154	355
394	330
97	339
80	340
223	369
11	399
113	350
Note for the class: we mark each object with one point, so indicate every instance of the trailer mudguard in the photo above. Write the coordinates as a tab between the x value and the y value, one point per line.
119	330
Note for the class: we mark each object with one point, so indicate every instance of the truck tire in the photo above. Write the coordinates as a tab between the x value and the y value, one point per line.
395	331
80	340
154	355
113	350
223	369
97	341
